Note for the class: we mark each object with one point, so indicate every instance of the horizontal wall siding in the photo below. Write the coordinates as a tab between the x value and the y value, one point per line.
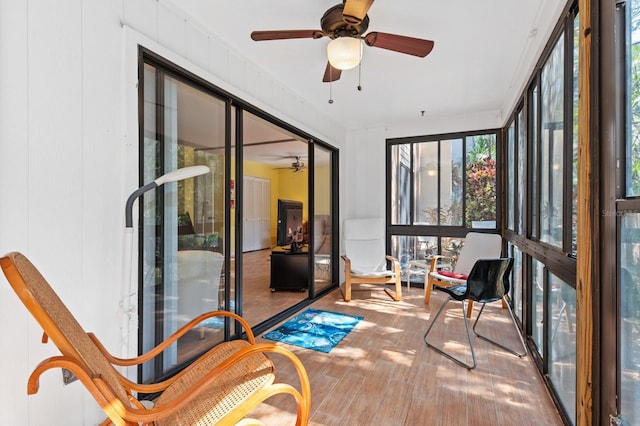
14	206
68	160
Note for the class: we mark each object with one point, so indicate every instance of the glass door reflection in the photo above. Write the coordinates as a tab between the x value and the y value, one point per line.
322	236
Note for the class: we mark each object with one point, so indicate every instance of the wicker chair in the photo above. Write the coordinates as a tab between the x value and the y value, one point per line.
221	387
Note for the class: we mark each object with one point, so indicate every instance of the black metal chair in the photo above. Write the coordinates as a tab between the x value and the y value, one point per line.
487	282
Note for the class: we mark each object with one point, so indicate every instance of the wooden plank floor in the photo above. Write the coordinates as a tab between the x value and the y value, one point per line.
382	373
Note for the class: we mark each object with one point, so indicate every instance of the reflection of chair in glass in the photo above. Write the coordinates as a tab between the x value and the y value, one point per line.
476	245
405	268
487	282
559	295
322	248
365	260
567	304
198	284
413	265
220	387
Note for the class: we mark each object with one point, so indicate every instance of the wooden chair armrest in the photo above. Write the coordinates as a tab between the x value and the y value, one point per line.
127	362
392	259
102	394
395	264
435	259
347	266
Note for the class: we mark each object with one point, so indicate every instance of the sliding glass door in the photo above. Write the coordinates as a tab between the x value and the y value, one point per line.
182	241
274	168
322	238
214	242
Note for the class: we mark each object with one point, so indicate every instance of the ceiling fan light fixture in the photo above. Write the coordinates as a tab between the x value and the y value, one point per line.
345	53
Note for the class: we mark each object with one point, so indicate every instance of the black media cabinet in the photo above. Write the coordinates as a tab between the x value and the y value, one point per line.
289	269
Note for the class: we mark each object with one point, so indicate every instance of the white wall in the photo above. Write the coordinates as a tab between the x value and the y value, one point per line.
364	154
365	151
68	160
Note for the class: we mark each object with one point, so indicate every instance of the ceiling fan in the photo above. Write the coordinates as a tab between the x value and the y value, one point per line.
345	25
297	166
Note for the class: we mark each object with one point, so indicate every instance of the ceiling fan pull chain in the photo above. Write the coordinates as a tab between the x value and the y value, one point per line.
360	71
330	85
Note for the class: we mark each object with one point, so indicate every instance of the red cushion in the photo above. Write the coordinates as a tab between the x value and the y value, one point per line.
453	275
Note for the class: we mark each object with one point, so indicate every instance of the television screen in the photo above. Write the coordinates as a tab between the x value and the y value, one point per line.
289	221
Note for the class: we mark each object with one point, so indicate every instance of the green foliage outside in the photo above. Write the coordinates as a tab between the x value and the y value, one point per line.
481	180
634	149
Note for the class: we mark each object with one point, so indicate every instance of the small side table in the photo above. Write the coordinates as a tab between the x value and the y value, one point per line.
417	267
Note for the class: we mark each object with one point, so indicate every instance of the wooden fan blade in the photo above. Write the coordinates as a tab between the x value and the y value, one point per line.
397	43
356	9
331	73
285	34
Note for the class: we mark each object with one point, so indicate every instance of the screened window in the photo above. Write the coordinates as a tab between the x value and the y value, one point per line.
552	146
537	304
541	178
520	172
401	184
511	167
628	214
427	201
439	188
481	199
444	182
633	102
630	316
561	335
534	133
574	159
516	281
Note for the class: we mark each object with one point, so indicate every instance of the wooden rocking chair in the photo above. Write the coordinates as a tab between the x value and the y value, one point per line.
220	387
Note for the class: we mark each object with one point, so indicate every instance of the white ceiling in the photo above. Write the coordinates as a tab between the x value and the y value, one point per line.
483	53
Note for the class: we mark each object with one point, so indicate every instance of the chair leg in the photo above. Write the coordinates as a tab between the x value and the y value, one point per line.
398	296
442	352
469	308
515	324
346	293
428	286
347	288
398	282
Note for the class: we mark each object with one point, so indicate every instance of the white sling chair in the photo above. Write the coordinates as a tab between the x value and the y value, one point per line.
476	246
365	260
198	284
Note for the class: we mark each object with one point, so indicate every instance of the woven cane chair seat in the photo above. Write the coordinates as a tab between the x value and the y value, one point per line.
241	381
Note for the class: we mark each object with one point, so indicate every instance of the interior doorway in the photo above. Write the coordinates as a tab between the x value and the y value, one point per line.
275	174
256	232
